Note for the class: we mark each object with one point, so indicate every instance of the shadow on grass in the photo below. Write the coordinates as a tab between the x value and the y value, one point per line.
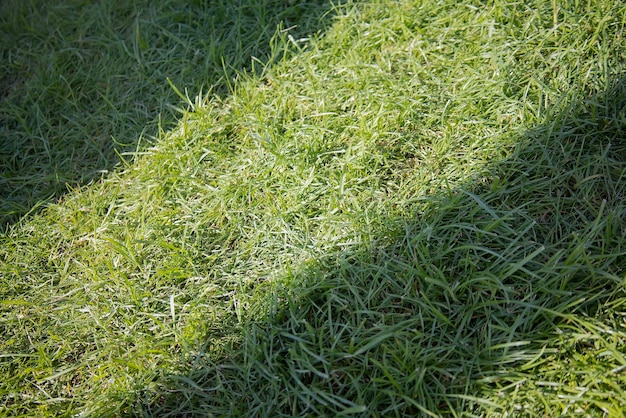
505	288
83	82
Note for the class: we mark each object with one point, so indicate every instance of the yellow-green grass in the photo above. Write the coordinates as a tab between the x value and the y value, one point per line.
418	210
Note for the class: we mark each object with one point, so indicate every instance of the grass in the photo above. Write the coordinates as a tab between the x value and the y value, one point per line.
417	211
83	82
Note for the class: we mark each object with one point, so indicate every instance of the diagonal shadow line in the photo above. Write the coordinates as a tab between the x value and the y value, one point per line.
82	83
474	311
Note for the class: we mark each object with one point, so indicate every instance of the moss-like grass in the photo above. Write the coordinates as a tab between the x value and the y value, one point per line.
417	211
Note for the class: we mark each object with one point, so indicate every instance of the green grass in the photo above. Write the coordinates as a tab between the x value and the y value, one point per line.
417	211
83	81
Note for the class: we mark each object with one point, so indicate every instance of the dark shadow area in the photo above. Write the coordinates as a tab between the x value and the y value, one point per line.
83	82
474	307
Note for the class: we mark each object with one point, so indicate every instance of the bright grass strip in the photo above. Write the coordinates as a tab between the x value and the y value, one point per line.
417	211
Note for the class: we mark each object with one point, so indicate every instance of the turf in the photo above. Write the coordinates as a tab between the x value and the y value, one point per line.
416	210
82	82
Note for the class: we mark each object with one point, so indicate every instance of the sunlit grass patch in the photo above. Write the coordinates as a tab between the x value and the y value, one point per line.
417	212
84	81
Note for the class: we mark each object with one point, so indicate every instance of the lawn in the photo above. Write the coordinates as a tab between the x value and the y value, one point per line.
290	208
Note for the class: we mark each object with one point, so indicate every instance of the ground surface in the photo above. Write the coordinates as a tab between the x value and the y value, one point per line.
374	208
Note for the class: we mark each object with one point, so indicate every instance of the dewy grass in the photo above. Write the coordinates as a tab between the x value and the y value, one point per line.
417	212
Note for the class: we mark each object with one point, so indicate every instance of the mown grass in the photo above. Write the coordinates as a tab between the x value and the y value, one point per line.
418	212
